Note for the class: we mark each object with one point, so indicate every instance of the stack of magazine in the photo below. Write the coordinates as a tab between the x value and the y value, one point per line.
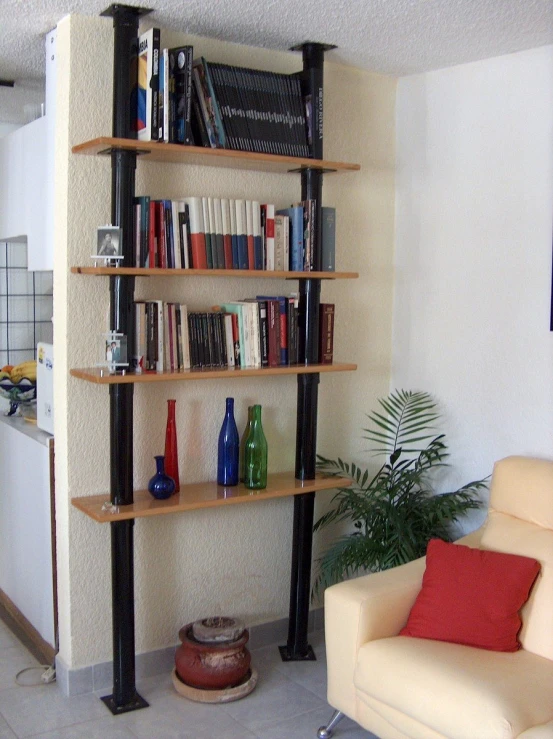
190	101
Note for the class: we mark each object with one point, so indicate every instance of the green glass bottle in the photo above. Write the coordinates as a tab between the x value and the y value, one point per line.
255	454
243	443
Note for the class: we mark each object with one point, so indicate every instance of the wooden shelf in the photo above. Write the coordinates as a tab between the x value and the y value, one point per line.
100	375
204	495
257	273
152	150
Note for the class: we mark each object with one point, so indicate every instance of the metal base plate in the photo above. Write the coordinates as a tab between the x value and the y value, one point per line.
287	656
133	705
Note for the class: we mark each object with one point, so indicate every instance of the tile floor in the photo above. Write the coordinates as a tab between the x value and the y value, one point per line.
289	702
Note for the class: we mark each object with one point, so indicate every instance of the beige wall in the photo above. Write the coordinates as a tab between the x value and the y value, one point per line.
234	561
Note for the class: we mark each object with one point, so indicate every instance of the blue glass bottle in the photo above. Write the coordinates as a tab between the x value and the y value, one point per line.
161	486
229	448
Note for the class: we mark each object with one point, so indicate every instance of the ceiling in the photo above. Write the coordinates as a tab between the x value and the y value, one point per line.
394	37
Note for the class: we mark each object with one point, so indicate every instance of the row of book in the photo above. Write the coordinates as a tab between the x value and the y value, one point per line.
192	101
258	332
222	233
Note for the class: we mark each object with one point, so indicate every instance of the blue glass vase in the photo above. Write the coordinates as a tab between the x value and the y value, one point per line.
161	486
228	449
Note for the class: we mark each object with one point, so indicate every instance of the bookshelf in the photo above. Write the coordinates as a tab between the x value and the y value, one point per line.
125	504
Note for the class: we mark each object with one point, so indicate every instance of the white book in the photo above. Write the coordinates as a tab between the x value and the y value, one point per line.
233	233
255	333
160	336
218	230
195	210
166	95
281	238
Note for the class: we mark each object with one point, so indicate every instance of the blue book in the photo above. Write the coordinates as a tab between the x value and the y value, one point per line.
296	242
241	234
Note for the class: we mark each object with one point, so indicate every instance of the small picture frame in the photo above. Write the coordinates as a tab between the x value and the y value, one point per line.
114	351
109	245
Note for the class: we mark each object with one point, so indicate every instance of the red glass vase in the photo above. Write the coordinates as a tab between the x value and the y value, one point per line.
171	451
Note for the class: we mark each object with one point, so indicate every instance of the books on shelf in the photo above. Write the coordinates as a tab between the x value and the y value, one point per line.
192	101
254	332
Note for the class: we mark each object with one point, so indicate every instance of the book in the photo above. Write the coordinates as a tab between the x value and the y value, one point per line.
233	234
215	203
249	234
148	85
258	251
205	102
180	65
209	242
283	323
328	239
163	96
242	238
227	237
296	236
282	226
197	233
268	211
326	333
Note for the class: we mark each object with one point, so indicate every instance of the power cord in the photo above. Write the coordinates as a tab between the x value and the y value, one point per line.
48	676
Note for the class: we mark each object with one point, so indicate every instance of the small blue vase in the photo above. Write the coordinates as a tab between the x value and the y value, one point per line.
161	486
229	448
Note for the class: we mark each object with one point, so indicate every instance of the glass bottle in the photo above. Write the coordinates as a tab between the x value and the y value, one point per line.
228	449
161	485
171	451
255	471
243	443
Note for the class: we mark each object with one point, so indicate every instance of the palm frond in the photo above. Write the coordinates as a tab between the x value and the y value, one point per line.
394	511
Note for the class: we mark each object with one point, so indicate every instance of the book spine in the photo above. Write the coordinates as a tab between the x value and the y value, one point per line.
258	252
249	234
219	239
328	239
227	237
270	236
241	234
326	333
197	234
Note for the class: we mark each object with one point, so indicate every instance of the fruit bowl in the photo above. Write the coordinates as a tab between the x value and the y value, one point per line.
17	393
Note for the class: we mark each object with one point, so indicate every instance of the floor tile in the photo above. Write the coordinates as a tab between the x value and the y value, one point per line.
106	728
275	697
174	717
12	660
44	708
306	725
7	639
5	731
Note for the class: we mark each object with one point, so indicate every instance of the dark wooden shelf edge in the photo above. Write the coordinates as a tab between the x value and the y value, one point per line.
203	495
94	375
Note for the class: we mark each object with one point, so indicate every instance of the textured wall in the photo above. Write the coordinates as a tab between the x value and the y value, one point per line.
473	253
236	560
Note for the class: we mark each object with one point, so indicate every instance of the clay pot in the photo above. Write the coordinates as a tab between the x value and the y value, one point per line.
212	666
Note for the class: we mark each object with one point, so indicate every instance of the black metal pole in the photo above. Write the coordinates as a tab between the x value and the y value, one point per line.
123	165
297	647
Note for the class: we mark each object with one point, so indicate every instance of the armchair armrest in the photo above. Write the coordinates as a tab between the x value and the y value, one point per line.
371	607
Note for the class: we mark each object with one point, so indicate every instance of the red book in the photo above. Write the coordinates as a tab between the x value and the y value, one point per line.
197	233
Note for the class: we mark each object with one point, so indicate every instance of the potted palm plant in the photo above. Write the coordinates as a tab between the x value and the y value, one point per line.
396	511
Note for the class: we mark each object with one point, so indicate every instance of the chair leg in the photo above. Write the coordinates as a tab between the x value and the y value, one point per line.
325	732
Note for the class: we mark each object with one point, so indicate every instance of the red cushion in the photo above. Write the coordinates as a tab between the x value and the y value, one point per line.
472	596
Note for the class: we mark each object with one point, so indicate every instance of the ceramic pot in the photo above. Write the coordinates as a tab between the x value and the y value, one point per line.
211	666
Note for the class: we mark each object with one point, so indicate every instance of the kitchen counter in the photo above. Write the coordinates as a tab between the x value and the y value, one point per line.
29	429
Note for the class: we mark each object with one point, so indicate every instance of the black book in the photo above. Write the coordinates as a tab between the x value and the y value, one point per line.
199	131
180	71
225	105
192	342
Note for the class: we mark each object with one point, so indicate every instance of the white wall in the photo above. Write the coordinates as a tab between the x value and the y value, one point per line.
237	560
474	204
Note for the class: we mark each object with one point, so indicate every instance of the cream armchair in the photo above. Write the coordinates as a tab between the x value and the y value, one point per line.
405	688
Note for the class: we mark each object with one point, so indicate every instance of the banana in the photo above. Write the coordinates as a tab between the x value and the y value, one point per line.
4	375
25	369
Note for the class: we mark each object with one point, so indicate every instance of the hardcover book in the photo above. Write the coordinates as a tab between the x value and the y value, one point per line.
147	125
